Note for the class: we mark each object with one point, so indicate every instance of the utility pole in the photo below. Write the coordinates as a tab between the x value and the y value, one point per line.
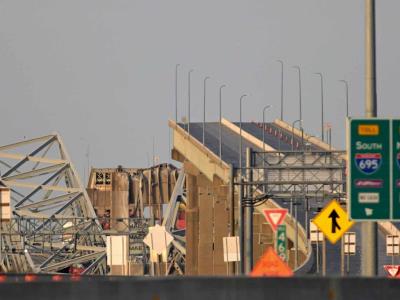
342	256
248	214
281	62
241	223
176	92
204	109
189	91
369	245
323	256
322	105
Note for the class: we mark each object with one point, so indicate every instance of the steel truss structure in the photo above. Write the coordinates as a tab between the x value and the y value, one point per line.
177	250
309	174
53	224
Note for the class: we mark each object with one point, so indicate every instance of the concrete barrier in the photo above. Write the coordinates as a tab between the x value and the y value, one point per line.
176	288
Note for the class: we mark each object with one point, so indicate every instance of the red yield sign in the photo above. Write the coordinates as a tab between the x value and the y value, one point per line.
275	216
392	270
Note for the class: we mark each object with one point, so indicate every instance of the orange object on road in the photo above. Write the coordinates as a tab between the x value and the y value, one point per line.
271	265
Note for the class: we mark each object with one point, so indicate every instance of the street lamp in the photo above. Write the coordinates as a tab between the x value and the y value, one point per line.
263	139
263	127
281	62
300	111
301	128
220	120
190	72
204	108
176	92
240	122
322	106
347	96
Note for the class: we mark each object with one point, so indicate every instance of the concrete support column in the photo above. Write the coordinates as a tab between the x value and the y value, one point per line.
221	224
120	202
192	221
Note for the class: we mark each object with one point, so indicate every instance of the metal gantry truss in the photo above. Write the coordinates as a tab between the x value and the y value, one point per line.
311	174
53	224
289	177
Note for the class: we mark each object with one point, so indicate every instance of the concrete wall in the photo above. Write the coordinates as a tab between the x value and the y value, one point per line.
98	288
207	223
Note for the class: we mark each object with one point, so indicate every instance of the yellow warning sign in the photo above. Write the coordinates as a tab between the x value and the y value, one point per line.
333	221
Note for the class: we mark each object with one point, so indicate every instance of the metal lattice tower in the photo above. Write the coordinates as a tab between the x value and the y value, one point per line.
53	225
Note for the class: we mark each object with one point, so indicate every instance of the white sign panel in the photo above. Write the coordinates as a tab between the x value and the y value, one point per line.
231	248
117	250
158	239
349	243
392	245
315	234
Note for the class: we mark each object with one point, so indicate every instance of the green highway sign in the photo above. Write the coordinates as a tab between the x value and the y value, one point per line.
281	242
374	167
396	168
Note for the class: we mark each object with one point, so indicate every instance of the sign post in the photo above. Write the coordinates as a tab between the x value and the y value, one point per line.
231	248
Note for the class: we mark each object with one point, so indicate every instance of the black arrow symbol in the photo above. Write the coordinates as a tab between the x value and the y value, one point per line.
333	215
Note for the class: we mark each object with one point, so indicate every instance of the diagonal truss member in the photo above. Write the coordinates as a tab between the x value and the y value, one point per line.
52	225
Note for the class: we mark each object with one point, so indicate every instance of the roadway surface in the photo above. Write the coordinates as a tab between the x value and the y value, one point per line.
281	139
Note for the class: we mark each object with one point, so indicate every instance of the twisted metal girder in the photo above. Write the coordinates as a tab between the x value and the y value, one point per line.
53	224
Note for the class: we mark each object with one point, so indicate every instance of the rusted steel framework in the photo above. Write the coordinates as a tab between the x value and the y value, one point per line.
53	225
177	250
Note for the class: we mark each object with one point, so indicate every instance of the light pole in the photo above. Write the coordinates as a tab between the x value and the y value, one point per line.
176	92
240	142
263	139
300	111
241	191
329	135
204	108
263	127
346	84
190	72
281	62
301	128
220	120
322	106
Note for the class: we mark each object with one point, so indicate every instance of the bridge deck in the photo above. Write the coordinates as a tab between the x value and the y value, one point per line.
230	154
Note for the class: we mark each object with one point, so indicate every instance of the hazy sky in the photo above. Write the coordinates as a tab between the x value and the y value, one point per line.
101	72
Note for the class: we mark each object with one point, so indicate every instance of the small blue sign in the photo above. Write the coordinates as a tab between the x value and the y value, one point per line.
368	163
